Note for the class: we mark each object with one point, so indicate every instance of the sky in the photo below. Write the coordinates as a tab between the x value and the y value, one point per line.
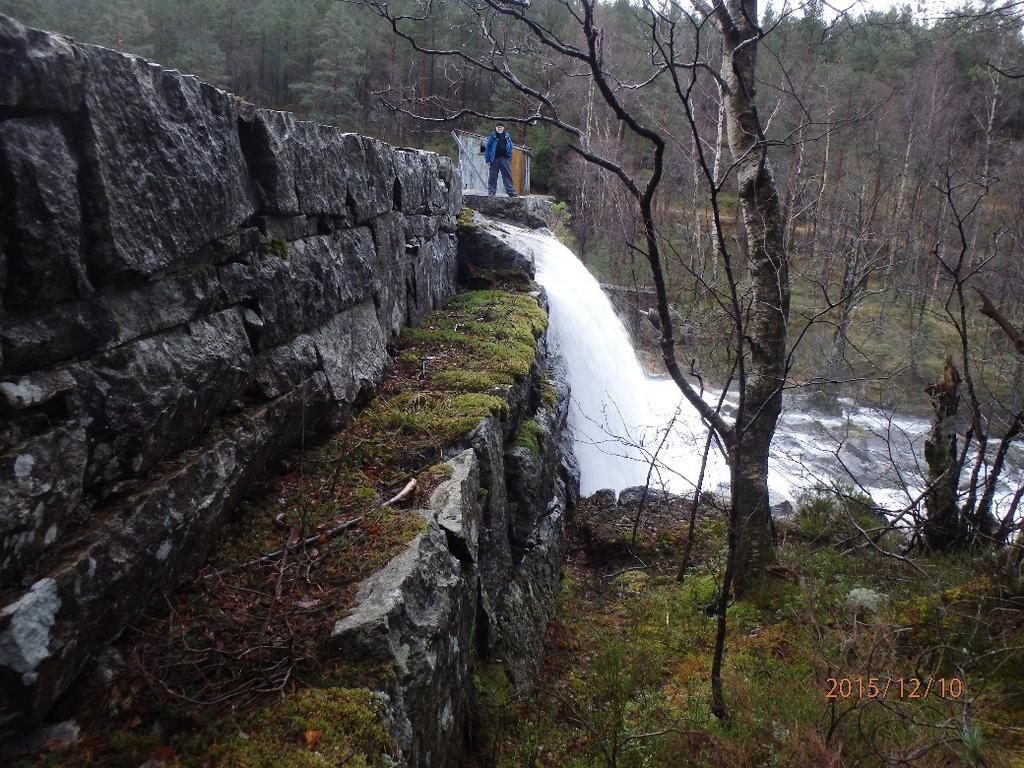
931	9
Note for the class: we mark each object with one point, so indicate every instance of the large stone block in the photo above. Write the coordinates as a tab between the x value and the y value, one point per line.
531	476
148	543
457	509
371	176
304	284
390	270
428	183
531	599
298	166
41	219
416	615
152	397
432	276
77	328
495	543
41	71
530	211
303	167
489	252
351	348
40	488
166	173
280	368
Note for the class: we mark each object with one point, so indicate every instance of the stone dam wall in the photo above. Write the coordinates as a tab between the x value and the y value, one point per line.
480	583
187	285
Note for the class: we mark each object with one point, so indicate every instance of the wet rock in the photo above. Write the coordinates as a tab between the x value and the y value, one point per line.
280	368
298	167
531	473
416	615
351	347
603	498
457	509
147	399
305	284
431	278
531	600
427	183
390	269
43	213
75	328
420	228
49	738
186	283
41	484
783	510
41	70
486	254
530	211
487	441
303	167
167	174
149	542
632	497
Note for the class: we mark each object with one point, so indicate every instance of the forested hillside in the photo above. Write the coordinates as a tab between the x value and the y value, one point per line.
710	454
896	135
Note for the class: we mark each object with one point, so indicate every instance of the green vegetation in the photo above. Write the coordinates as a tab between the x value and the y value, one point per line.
827	514
531	437
234	673
625	682
312	728
275	247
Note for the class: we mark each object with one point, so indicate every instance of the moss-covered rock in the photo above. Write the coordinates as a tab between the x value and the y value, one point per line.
471	370
311	728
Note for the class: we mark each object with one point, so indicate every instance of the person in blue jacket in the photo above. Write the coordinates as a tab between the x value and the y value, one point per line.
498	155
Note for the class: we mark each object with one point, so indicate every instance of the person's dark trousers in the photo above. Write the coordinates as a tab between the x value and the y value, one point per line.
504	165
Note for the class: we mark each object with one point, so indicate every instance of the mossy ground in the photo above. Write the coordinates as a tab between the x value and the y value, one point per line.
625	681
245	651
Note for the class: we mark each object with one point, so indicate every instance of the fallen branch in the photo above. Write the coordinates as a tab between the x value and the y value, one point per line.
270	557
409	488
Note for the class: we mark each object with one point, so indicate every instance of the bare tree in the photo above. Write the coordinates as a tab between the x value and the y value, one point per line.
758	315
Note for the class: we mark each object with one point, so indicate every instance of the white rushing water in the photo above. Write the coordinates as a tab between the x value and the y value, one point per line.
621	419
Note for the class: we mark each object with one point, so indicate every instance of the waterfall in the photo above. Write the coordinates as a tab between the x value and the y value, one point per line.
621	419
613	425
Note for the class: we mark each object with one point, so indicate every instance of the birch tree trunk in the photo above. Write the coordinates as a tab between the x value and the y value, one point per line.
762	370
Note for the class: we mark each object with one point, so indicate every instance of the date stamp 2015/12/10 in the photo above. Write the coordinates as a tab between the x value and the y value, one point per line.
860	687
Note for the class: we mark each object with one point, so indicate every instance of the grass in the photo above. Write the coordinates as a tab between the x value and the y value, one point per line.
234	670
625	681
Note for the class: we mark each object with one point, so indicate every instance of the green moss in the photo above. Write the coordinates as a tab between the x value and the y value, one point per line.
365	493
275	247
465	218
548	393
312	728
442	419
471	381
222	635
531	437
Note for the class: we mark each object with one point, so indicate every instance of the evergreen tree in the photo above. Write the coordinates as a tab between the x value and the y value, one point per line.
330	95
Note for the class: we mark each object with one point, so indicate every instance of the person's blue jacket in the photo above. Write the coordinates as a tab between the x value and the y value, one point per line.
492	146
